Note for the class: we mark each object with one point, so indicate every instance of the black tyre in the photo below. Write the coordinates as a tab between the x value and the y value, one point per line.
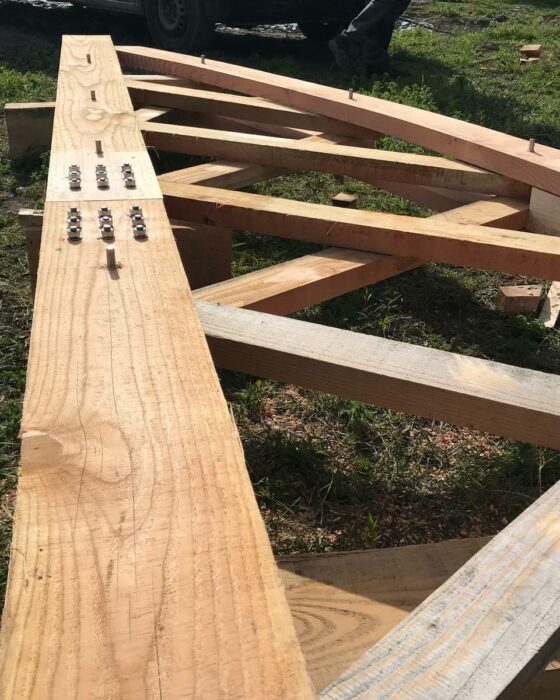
320	31
179	25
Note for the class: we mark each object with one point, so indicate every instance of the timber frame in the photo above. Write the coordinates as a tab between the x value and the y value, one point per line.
140	565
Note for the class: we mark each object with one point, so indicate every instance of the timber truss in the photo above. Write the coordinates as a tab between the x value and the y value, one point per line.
140	565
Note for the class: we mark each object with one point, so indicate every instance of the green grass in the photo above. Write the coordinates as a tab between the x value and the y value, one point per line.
329	473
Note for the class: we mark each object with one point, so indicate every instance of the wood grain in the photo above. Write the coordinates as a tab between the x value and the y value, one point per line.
140	564
365	164
239	107
500	153
484	633
427	239
488	396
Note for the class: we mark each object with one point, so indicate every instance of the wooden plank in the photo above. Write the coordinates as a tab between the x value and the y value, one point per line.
239	107
288	287
368	165
426	239
544	216
29	127
488	396
205	252
141	566
345	602
551	306
500	153
483	634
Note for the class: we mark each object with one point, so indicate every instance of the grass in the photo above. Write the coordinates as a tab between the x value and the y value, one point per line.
328	473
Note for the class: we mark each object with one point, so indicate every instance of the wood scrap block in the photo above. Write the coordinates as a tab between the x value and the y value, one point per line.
533	59
519	299
531	50
344	200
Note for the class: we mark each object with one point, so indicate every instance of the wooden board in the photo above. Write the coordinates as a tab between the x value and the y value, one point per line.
296	284
140	564
344	602
500	153
239	107
364	164
426	239
488	396
544	216
484	633
29	127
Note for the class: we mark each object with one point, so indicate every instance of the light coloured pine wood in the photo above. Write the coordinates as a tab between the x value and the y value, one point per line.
140	564
551	306
312	279
484	633
288	287
345	602
488	396
206	252
239	107
500	153
544	216
426	239
364	164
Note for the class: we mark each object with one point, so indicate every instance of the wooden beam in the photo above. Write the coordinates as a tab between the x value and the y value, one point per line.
29	127
426	239
483	634
368	165
488	396
544	216
239	107
141	567
477	145
294	285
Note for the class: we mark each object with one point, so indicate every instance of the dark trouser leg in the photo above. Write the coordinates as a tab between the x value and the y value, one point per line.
370	33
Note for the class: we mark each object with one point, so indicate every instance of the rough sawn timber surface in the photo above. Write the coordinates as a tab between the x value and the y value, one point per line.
517	403
500	153
140	564
427	239
361	163
483	634
300	283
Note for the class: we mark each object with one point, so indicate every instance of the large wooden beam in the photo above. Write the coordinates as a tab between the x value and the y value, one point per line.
239	107
296	284
467	142
344	602
140	564
488	396
544	216
368	165
426	239
483	634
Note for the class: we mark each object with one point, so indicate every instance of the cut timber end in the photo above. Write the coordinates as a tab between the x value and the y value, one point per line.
520	299
531	50
344	200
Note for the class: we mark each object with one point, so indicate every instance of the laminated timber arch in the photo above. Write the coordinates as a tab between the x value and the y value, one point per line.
143	568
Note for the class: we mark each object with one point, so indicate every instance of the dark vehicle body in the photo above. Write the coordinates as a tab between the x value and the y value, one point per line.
187	25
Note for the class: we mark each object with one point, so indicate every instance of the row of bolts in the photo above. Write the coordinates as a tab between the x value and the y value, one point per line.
75	177
74	223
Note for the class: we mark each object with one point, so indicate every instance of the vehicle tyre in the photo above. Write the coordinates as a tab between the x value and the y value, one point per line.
179	25
320	31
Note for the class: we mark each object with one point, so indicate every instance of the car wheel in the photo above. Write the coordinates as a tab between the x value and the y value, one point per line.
320	31
179	25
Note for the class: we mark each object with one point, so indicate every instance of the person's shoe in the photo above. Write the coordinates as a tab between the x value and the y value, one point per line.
387	68
342	57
